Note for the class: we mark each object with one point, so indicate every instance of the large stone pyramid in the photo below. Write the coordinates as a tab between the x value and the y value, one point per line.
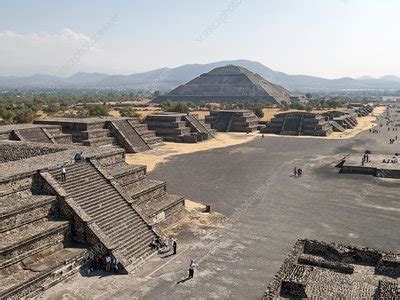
228	84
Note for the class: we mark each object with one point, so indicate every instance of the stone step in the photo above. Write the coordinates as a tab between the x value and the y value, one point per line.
105	221
95	199
47	270
144	250
105	206
130	224
126	169
99	141
124	233
15	212
78	180
114	211
133	248
90	192
141	241
31	238
154	140
110	226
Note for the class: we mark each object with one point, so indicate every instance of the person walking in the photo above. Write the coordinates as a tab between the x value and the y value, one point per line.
63	174
295	171
174	246
191	269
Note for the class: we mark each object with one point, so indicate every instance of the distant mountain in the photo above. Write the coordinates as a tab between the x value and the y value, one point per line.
390	78
166	79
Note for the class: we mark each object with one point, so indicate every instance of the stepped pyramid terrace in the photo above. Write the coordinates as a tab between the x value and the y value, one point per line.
229	84
233	120
299	123
179	127
50	228
127	133
319	270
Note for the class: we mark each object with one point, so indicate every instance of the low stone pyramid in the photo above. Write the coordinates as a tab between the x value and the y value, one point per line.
228	84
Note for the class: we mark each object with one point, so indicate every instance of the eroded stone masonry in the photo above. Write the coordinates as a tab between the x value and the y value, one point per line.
235	120
49	228
179	127
321	270
127	133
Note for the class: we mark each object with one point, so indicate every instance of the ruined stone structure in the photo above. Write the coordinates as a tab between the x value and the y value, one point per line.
179	127
341	120
229	84
375	166
50	228
320	270
298	123
232	120
123	132
51	134
361	110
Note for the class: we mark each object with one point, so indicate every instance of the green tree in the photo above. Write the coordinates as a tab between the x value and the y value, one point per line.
98	110
128	112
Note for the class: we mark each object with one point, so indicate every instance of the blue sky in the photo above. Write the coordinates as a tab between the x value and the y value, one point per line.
329	38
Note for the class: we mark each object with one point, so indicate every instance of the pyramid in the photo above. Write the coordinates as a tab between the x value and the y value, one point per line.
228	84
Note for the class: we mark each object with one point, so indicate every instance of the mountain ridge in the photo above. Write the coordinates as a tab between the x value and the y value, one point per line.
166	79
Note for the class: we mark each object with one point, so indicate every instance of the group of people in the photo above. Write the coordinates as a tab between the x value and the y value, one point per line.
392	160
79	157
297	172
63	172
104	263
170	244
365	159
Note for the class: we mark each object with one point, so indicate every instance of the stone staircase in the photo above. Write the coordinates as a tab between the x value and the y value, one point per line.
199	126
35	250
34	134
148	196
128	135
109	210
224	122
337	127
58	137
147	135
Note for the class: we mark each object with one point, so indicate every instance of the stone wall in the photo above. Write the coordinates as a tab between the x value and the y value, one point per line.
17	151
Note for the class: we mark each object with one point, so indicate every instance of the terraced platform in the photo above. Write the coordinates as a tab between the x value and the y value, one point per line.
325	270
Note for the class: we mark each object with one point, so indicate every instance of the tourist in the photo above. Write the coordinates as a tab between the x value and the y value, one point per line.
108	263
115	265
299	172
79	157
63	174
191	269
295	171
153	244
174	246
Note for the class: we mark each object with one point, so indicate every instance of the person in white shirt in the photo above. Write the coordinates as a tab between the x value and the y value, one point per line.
63	174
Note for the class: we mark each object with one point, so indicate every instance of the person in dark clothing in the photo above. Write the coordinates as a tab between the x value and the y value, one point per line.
174	246
191	269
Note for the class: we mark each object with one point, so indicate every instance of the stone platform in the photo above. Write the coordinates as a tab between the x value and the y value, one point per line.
179	127
127	133
299	123
233	120
319	270
49	228
375	166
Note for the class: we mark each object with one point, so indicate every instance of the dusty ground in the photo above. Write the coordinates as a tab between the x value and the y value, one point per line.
162	153
261	210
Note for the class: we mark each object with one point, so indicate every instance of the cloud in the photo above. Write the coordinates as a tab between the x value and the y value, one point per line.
24	51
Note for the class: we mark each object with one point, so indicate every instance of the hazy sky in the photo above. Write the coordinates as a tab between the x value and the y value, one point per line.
329	38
